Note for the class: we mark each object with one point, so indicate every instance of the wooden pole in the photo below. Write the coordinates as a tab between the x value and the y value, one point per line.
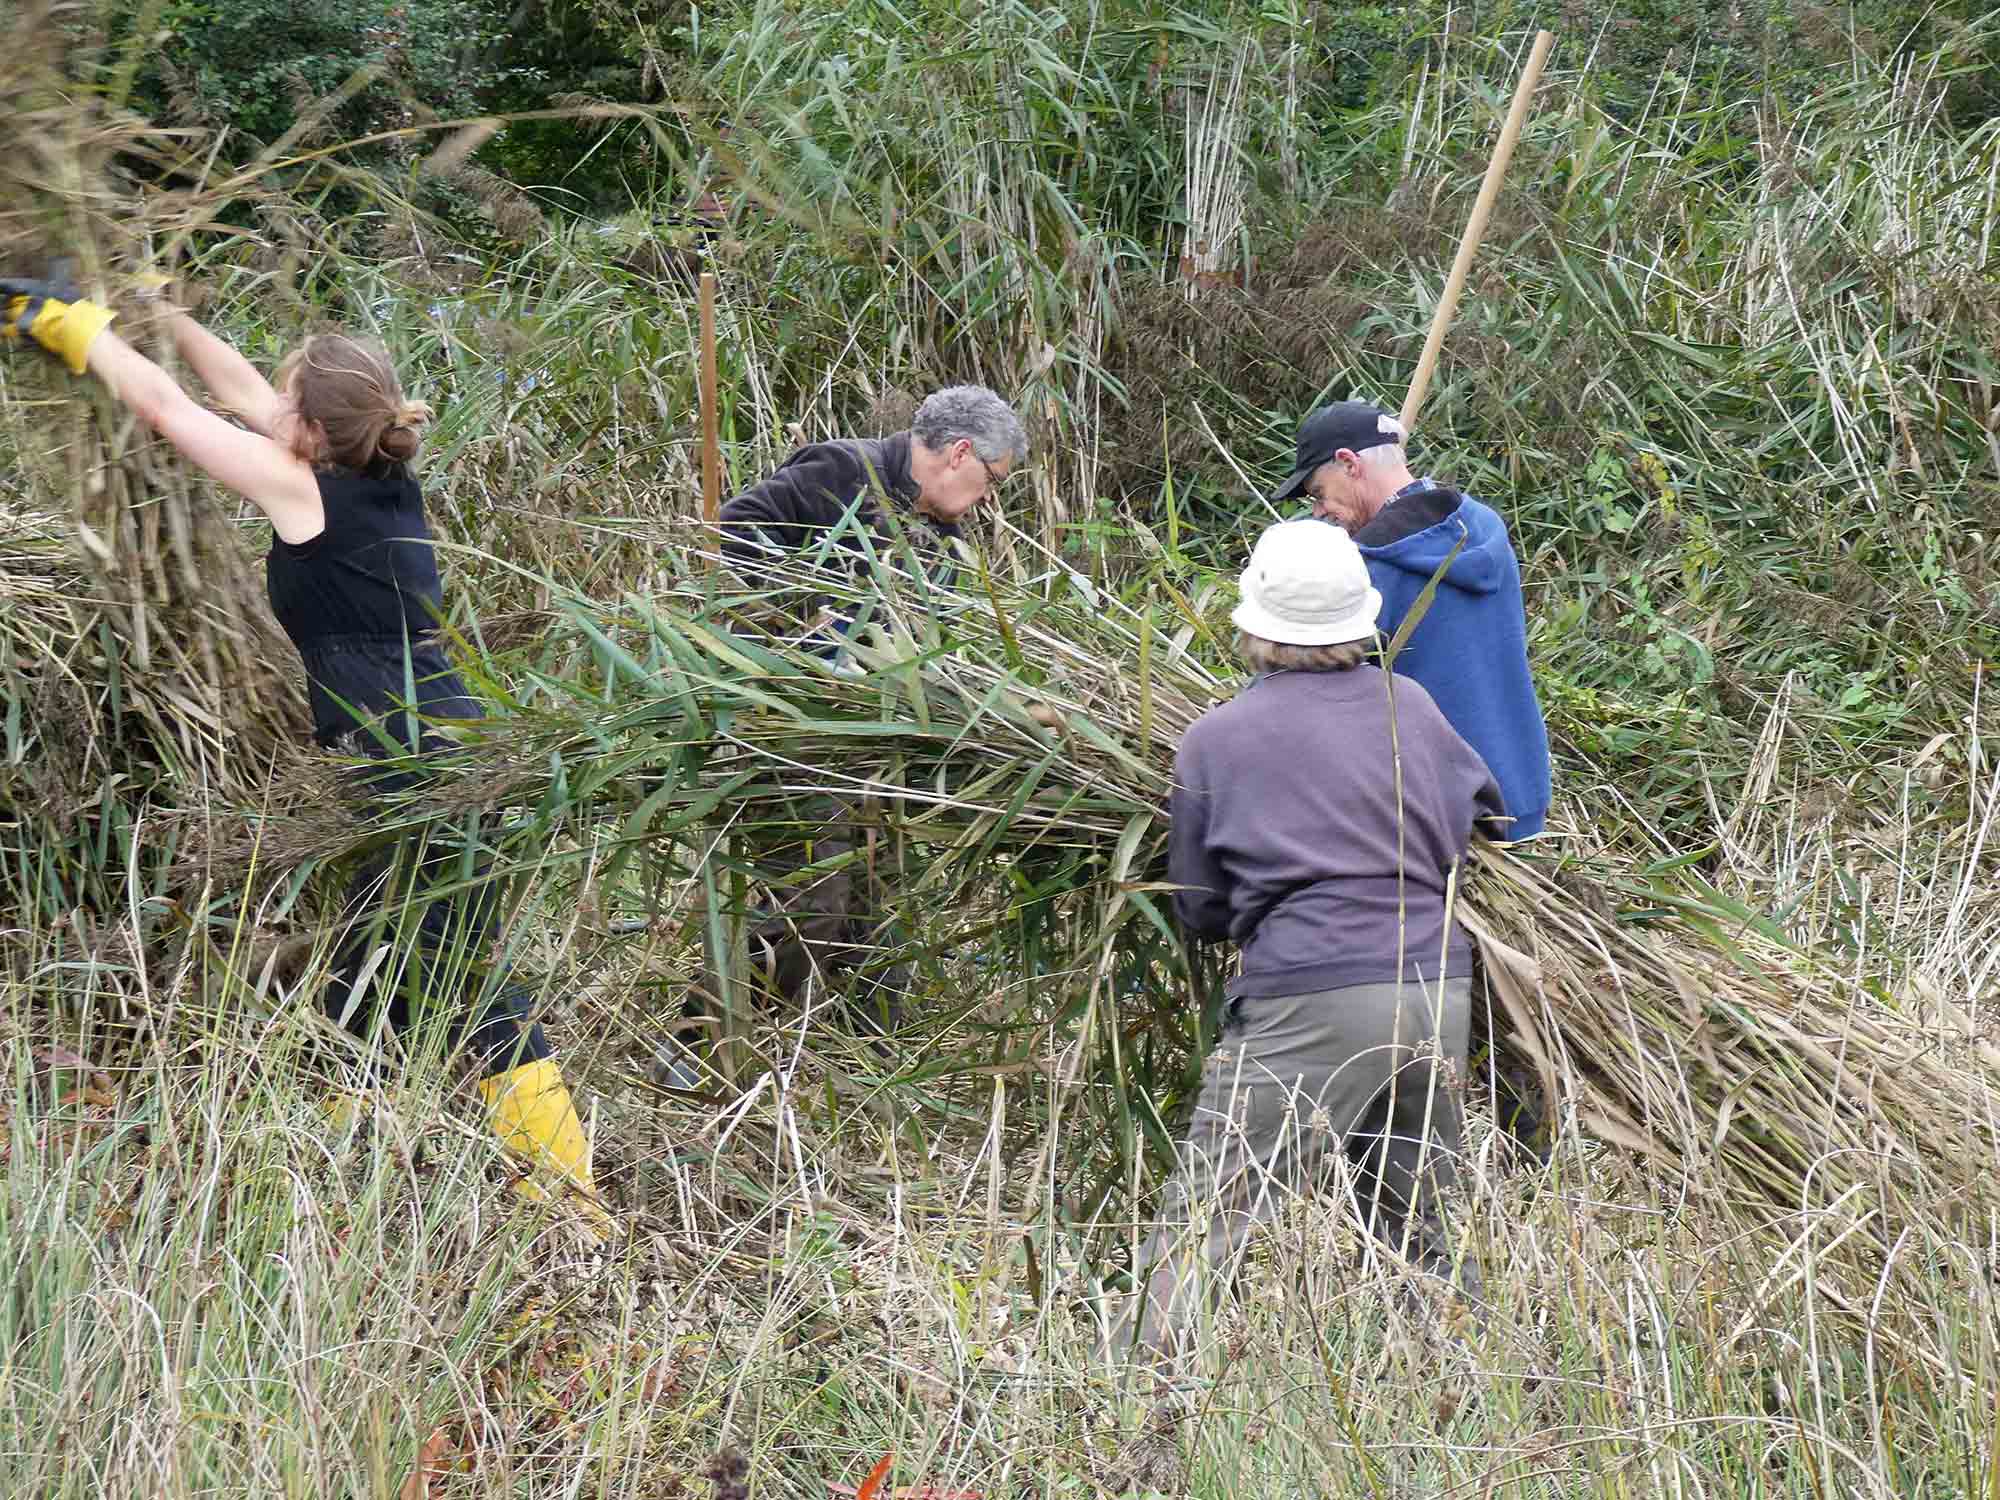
1475	227
721	939
711	441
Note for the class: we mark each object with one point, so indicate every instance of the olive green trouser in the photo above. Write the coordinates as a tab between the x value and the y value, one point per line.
1295	1084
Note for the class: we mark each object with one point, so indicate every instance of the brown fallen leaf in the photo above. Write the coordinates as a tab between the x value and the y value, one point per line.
429	1469
871	1488
97	1092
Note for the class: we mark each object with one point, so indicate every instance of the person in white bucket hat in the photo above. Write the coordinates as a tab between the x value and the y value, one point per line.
1306	586
1295	836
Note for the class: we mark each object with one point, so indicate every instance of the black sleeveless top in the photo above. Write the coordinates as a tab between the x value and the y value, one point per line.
362	602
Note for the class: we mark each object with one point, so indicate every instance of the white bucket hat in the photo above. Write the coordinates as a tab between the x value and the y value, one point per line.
1307	586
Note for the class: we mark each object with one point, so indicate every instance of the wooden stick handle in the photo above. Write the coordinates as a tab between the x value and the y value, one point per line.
711	441
1475	227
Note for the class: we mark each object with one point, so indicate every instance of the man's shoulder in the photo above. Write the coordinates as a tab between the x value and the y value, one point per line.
844	467
1478	511
1418	508
814	484
1468	535
834	456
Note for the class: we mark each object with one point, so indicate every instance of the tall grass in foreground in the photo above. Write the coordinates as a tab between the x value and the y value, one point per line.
213	1293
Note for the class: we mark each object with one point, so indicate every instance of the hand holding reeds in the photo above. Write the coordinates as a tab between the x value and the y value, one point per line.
55	315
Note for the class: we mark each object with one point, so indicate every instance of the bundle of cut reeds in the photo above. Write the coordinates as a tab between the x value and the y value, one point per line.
141	641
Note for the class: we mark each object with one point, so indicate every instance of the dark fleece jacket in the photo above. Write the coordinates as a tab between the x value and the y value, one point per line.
1286	822
804	499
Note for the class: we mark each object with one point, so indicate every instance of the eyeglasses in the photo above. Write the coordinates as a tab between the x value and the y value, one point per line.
994	480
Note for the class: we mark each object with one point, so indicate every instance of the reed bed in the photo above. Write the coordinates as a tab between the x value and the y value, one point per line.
1012	755
1749	978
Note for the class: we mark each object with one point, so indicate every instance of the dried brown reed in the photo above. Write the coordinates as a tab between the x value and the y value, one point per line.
187	665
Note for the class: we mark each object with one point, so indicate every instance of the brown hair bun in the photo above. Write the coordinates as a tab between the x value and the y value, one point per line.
346	389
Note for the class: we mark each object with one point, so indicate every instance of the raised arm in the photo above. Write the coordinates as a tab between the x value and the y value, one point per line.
264	472
78	332
236	384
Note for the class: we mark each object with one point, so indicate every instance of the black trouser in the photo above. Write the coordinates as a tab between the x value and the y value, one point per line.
436	961
435	917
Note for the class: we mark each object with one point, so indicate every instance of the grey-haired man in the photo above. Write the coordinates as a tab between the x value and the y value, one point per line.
962	442
855	493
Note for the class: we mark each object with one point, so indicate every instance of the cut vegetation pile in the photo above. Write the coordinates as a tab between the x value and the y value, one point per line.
144	669
1014	753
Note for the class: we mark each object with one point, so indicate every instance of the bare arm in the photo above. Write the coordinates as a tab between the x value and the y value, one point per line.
267	474
234	382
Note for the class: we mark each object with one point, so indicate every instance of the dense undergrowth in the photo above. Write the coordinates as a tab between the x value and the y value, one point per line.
1727	365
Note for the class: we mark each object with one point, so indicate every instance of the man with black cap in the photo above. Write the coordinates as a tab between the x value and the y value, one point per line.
1470	649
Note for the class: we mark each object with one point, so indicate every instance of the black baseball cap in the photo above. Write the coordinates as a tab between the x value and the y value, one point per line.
1353	425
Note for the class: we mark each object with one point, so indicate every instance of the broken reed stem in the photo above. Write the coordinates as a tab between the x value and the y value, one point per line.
711	417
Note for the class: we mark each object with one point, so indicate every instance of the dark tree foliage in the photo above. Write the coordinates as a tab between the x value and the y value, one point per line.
1646	50
1744	50
558	53
254	65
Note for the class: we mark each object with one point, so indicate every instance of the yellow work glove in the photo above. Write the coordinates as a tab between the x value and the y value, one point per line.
534	1117
54	316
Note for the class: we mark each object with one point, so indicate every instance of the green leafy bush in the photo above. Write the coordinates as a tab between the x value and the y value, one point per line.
254	66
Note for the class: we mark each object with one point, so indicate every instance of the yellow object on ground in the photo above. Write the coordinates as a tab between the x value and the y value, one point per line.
65	329
345	1111
535	1118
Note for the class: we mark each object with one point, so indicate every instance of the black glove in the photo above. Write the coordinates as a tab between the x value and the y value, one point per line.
58	282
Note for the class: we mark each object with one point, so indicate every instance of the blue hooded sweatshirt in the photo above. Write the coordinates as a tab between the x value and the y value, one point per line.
1470	650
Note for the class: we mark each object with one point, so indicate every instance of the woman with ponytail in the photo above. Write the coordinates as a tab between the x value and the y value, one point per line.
353	579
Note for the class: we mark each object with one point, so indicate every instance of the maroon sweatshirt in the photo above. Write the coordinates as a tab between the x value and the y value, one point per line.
1285	817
